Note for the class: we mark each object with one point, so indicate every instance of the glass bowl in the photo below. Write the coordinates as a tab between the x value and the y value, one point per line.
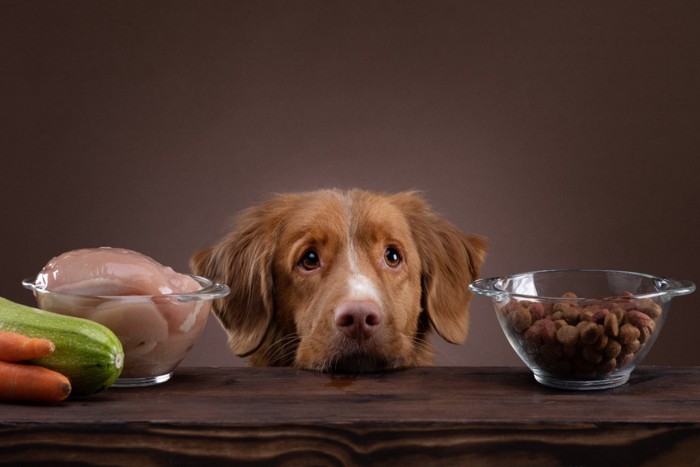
578	328
156	331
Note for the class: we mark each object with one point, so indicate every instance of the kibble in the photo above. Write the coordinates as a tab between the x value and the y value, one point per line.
639	319
628	333
613	349
632	347
542	331
519	319
572	314
586	339
611	325
619	313
536	311
644	335
602	341
588	332
648	307
587	313
599	316
567	335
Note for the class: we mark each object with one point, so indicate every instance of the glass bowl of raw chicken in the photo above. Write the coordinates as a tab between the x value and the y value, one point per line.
156	313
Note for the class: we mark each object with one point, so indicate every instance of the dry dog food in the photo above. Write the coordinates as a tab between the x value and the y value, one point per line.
581	338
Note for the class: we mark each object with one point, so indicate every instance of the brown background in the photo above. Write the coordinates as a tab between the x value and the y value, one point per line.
566	132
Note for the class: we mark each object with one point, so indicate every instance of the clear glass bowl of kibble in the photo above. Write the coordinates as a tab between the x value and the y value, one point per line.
581	329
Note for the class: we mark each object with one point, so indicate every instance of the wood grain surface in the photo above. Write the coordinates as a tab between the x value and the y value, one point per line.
423	416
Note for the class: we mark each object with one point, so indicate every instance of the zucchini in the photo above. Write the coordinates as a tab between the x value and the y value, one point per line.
88	353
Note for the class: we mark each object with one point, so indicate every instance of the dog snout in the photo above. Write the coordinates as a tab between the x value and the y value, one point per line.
358	320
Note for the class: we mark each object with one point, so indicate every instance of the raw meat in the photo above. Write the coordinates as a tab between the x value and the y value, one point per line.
155	325
111	272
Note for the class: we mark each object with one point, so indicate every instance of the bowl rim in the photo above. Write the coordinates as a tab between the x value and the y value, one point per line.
671	287
210	291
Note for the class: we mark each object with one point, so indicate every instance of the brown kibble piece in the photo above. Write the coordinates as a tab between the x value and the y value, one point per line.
611	325
619	313
599	316
602	340
557	315
613	349
536	311
542	331
607	366
652	326
511	306
626	359
588	332
519	319
631	348
628	334
533	335
549	330
587	313
649	308
571	314
654	312
567	335
638	318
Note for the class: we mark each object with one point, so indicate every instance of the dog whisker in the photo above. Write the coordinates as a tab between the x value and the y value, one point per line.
284	348
425	345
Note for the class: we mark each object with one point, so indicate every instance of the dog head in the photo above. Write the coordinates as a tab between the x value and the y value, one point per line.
342	281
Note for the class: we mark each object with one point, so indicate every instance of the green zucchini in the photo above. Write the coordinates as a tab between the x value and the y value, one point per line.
88	353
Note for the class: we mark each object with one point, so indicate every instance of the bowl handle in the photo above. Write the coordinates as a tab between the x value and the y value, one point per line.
487	288
677	287
211	291
28	283
215	291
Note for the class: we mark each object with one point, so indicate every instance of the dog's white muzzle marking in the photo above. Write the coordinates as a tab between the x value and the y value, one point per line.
362	288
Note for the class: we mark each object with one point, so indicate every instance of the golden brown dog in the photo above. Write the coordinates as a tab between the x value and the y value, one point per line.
342	281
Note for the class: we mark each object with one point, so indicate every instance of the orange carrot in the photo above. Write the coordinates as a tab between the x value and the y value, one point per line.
17	347
20	382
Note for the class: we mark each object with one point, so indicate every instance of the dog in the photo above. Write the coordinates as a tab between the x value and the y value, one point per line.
342	281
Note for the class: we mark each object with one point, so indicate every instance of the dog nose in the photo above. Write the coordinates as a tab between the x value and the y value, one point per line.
358	320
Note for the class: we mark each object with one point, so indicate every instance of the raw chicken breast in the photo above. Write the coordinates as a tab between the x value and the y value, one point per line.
111	272
155	326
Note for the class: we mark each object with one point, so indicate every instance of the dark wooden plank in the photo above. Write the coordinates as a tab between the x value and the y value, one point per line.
448	394
439	416
354	444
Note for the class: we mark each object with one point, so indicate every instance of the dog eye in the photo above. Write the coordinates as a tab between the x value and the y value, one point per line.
310	260
392	257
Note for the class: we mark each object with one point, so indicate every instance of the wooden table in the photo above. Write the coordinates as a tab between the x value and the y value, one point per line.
423	416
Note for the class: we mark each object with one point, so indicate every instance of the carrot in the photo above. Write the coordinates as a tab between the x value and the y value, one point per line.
20	382
17	347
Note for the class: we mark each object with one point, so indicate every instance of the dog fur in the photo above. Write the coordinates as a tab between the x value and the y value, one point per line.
342	281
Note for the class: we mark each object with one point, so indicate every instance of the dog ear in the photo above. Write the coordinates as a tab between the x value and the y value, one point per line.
450	260
242	260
